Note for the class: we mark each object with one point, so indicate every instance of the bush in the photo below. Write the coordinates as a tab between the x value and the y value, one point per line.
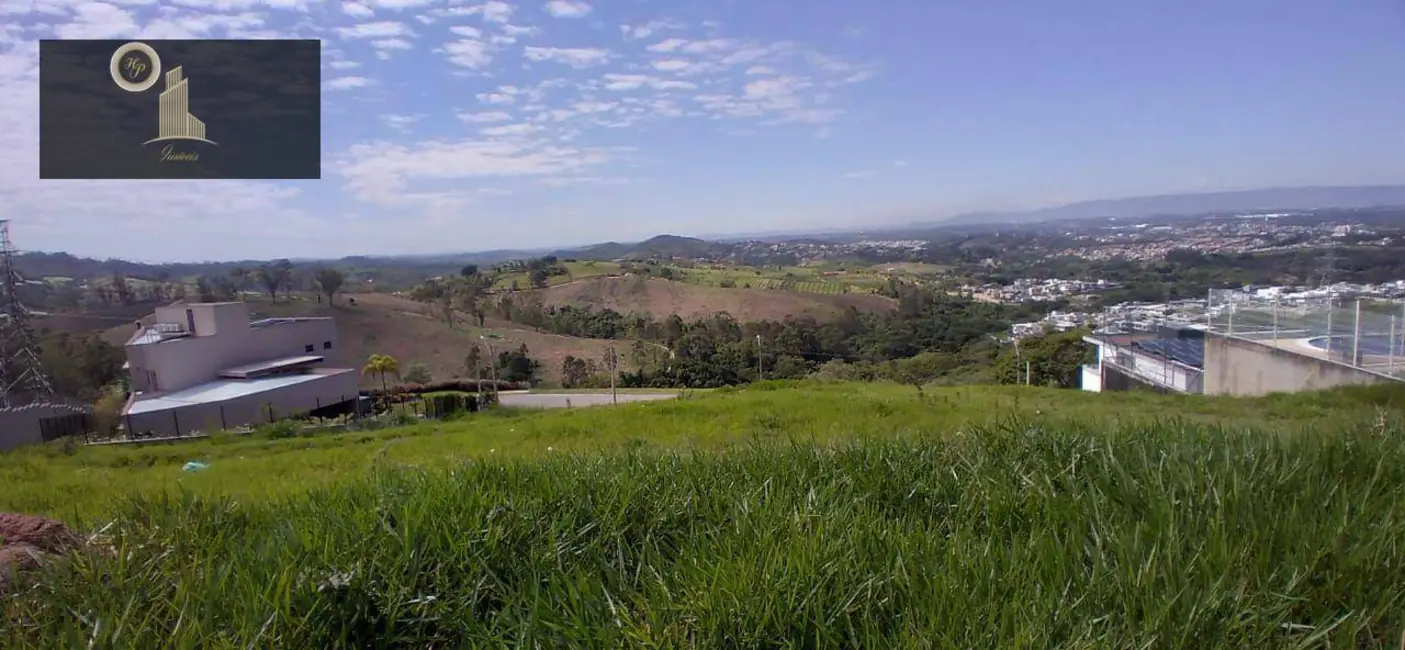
450	386
442	405
418	373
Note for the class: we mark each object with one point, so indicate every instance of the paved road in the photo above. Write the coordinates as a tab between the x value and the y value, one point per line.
562	400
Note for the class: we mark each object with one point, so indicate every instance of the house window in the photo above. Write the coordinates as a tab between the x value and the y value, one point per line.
326	345
307	348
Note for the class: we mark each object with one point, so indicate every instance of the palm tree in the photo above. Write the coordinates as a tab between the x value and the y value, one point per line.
381	364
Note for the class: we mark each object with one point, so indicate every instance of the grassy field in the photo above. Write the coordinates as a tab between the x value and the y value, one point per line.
689	300
578	270
776	516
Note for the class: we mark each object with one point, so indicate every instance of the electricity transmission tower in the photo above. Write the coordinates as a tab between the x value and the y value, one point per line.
22	378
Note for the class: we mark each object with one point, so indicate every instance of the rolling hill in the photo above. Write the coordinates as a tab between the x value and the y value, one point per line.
663	297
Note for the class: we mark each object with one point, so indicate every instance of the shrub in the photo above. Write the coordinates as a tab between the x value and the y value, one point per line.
418	373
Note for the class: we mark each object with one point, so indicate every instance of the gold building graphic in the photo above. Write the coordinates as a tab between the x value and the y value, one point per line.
175	121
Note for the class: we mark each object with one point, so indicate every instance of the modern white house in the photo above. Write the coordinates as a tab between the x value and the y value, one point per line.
206	366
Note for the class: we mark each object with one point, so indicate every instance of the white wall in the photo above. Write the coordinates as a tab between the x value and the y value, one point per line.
1093	377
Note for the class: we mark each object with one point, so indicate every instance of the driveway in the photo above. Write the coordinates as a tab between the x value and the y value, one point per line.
563	400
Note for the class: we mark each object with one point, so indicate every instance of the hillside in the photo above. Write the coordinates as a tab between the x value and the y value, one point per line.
663	297
404	329
874	516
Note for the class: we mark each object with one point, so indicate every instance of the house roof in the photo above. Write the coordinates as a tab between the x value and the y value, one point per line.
251	370
226	389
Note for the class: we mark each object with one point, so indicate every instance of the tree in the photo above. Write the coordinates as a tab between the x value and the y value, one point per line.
1053	360
206	291
573	371
329	282
440	293
418	373
275	276
240	277
471	291
381	364
473	361
107	409
538	278
518	365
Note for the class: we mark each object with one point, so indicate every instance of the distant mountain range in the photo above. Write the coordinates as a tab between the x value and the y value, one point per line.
1271	199
1286	198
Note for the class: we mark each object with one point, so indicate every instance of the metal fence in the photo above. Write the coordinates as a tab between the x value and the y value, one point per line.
1364	332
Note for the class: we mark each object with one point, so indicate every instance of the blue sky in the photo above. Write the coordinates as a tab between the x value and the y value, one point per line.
463	125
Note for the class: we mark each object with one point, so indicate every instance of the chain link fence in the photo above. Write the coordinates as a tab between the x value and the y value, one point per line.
1367	333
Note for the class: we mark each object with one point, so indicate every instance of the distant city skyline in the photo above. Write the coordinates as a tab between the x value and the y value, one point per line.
491	125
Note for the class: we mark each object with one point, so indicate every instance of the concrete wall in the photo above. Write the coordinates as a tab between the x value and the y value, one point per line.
1092	377
20	425
249	409
1238	367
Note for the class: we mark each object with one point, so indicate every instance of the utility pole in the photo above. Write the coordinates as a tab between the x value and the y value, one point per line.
1356	336
759	374
492	364
614	372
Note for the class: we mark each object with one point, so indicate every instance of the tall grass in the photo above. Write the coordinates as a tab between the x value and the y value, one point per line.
1023	535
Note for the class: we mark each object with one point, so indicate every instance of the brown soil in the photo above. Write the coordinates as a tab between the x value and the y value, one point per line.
663	297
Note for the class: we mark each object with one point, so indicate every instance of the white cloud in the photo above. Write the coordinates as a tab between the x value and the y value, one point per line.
343	65
670	65
385	46
470	32
485	116
567	181
511	129
576	57
496	12
399	5
866	173
495	98
567	8
382	29
468	53
669	45
759	69
346	83
401	122
614	81
899	163
636	32
513	31
594	106
382	172
356	10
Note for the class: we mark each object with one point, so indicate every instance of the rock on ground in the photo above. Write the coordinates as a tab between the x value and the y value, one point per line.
25	540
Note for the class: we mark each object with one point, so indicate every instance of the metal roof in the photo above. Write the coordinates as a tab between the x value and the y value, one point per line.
263	367
223	389
1190	352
